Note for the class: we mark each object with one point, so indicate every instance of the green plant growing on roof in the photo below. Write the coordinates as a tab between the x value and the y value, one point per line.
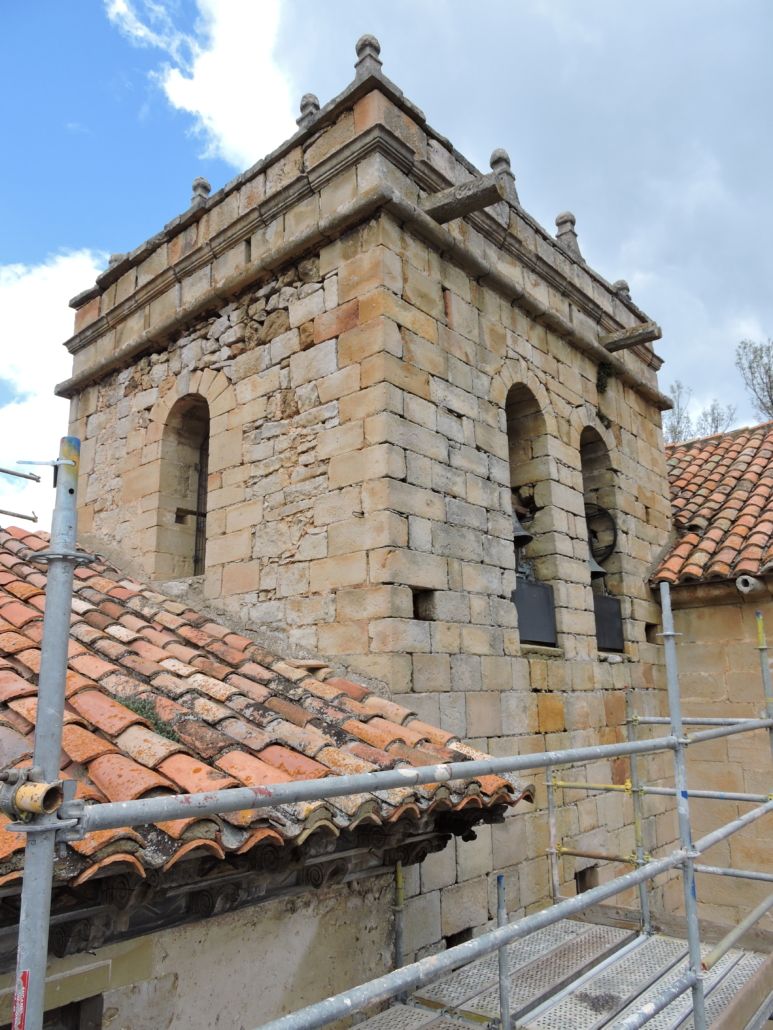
144	708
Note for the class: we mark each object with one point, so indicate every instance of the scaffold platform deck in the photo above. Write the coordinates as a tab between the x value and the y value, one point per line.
588	977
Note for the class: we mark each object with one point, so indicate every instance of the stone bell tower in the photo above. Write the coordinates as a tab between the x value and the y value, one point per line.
319	391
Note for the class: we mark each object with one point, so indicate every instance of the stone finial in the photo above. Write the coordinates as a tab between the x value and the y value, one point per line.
368	62
500	166
309	110
622	289
201	190
566	236
115	259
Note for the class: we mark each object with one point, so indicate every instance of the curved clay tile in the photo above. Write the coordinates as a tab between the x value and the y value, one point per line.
145	746
320	826
122	859
13	686
194	776
10	842
177	828
18	874
297	766
409	810
250	770
123	779
103	712
388	709
264	835
98	840
81	745
203	845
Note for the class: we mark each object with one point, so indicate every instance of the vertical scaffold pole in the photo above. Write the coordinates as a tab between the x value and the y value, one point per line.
555	883
767	684
683	808
32	954
638	823
504	973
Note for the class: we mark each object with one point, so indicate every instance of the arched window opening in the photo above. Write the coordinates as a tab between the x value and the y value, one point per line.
527	449
183	490
598	482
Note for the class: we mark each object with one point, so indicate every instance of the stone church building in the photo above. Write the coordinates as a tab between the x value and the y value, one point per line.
360	398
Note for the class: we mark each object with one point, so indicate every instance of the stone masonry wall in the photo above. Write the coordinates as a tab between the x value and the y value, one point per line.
356	358
719	676
358	470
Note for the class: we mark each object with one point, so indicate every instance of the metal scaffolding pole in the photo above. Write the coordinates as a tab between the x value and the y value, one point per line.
737	932
429	969
683	807
741	874
41	831
53	820
555	882
504	974
638	821
767	684
622	788
114	814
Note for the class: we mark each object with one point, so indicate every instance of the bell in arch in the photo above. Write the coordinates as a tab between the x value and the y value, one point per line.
596	570
521	536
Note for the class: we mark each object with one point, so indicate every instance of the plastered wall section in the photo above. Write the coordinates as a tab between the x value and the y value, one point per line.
719	676
237	970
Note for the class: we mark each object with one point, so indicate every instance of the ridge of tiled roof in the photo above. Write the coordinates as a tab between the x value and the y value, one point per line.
722	499
162	699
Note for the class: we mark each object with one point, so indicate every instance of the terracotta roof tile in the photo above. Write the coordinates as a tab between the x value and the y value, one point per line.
82	746
722	501
103	712
122	779
185	704
194	776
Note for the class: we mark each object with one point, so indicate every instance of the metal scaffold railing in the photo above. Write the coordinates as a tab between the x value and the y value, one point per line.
48	813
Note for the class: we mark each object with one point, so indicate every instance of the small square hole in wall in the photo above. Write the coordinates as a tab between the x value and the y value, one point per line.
424	605
652	632
586	878
458	938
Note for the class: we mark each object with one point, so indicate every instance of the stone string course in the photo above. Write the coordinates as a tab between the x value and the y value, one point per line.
359	475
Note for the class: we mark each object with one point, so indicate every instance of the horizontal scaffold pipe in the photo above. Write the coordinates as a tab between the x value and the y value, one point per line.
747	726
181	806
429	969
742	874
661	1001
692	720
627	788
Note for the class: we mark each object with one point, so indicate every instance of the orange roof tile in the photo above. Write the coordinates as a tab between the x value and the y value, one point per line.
722	500
160	698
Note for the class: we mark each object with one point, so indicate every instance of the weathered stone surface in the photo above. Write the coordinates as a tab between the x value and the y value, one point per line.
374	397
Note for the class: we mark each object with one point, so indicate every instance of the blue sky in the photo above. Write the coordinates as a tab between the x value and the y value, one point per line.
650	121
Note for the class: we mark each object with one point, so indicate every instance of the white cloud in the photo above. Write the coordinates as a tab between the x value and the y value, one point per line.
35	321
224	74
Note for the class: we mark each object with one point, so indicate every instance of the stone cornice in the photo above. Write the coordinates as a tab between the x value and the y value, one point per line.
363	207
376	140
326	117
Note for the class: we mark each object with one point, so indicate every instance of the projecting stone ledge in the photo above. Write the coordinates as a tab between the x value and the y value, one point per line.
647	332
474	194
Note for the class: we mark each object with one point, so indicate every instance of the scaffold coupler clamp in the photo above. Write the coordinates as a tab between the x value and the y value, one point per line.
72	821
24	794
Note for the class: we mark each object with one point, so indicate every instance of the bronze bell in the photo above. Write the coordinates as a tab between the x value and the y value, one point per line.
596	570
521	536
